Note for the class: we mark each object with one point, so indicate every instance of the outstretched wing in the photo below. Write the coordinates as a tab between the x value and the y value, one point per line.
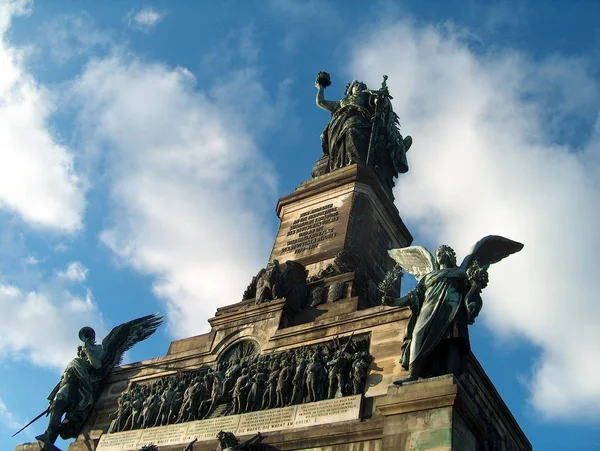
491	249
415	260
123	337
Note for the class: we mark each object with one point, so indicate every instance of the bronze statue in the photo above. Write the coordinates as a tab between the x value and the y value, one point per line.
360	369
258	381
240	392
316	378
444	302
229	442
276	282
363	129
78	389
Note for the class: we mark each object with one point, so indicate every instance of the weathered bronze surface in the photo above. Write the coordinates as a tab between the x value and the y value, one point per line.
246	382
446	300
272	283
76	393
363	129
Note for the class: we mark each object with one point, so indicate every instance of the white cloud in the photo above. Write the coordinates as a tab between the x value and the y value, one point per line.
50	309
144	19
189	190
486	160
31	260
7	417
74	272
69	36
38	181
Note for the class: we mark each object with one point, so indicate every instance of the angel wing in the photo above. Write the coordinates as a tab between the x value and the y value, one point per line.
415	260
123	337
491	249
250	292
294	272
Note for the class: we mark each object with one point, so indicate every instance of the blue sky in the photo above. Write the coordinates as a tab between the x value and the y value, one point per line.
144	145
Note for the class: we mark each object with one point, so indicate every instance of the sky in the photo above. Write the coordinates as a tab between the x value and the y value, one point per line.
144	145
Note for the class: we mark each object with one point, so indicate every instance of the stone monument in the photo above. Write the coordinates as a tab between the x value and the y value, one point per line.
320	352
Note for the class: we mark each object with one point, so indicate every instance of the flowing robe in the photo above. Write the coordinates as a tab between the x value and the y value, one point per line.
346	137
78	384
439	303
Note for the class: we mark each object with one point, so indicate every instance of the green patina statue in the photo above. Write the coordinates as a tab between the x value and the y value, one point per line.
363	129
72	399
445	301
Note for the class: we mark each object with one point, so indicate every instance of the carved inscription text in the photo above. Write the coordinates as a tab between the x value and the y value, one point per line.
311	228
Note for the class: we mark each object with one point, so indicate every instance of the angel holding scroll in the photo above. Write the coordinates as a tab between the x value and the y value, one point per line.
445	301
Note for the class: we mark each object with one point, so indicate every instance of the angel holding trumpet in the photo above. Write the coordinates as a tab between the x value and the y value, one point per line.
445	301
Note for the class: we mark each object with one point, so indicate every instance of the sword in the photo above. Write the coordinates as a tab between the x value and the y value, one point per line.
380	96
45	412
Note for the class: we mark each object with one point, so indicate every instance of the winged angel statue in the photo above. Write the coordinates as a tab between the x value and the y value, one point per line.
78	389
445	301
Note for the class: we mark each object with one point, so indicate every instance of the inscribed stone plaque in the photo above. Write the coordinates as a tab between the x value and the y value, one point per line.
312	229
165	435
267	420
329	411
302	415
120	441
208	429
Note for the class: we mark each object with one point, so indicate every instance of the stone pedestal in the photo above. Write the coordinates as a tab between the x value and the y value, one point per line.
343	211
440	414
339	226
432	414
34	446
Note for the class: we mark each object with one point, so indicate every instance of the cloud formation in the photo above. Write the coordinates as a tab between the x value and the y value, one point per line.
144	19
189	191
57	305
38	181
7	418
74	272
493	153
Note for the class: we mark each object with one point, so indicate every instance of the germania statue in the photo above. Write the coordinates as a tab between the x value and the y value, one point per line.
73	398
445	301
363	129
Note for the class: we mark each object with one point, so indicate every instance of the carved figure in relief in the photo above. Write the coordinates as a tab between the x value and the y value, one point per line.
267	283
270	380
335	374
316	378
151	409
73	397
445	301
283	383
177	403
189	406
257	389
360	368
270	395
231	375
166	403
216	378
121	414
137	404
273	283
240	392
299	380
